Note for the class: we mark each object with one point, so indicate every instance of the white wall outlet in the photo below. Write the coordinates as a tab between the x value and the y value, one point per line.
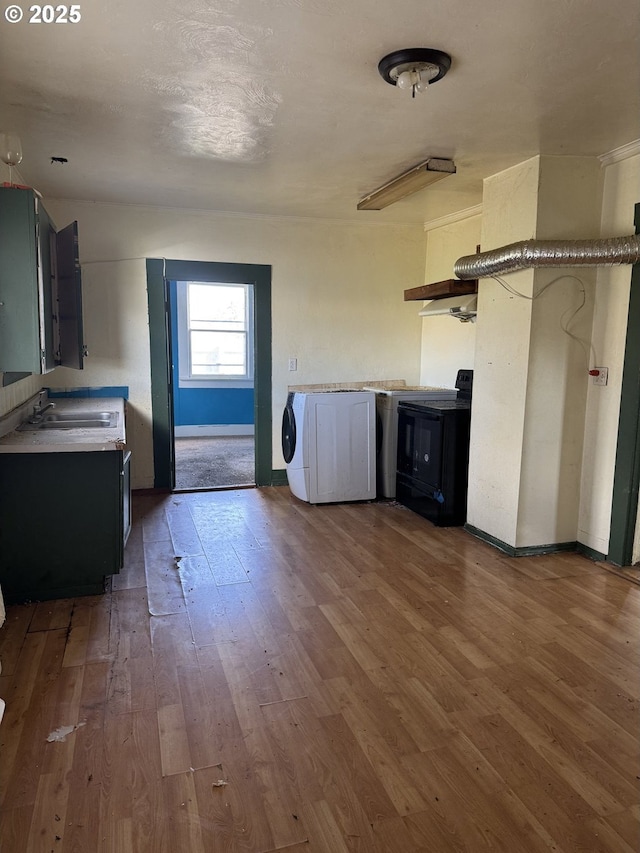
602	376
293	364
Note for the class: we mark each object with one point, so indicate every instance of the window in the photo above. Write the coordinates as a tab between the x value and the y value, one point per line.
215	332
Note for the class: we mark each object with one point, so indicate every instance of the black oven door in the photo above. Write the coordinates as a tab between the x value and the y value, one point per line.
420	447
433	459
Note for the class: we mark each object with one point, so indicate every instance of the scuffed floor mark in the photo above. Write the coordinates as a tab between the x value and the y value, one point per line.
60	735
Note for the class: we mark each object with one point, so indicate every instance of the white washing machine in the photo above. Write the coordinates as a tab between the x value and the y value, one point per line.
387	400
329	445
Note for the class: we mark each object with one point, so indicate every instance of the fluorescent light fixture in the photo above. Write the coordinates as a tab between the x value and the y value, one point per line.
415	179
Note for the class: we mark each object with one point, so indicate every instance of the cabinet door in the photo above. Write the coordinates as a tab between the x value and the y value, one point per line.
61	523
69	296
40	289
45	234
126	499
20	346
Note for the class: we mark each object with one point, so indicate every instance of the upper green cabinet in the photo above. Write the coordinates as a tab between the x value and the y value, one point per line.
40	288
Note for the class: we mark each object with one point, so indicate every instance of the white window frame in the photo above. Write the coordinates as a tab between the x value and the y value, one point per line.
185	379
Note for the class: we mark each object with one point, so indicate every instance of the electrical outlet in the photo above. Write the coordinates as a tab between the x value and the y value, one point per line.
602	377
293	364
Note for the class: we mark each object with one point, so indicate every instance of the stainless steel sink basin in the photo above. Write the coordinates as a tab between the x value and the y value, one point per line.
73	420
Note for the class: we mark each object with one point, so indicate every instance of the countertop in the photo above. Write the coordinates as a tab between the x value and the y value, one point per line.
350	386
72	440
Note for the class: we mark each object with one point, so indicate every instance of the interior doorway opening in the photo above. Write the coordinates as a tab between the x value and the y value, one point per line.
213	357
160	274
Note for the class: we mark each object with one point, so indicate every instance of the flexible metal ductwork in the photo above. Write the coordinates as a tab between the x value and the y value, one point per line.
550	253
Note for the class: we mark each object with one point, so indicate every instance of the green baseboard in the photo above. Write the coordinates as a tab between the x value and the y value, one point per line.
527	551
27	596
591	553
279	477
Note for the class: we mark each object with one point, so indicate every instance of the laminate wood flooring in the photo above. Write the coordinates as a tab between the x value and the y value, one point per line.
265	675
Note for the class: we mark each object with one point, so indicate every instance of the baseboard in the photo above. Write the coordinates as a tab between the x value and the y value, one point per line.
19	597
527	551
591	553
152	491
213	430
279	477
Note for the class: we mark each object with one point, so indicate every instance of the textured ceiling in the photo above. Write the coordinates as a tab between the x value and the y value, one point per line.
276	106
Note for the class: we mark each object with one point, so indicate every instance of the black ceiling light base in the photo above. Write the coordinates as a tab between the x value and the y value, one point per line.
417	59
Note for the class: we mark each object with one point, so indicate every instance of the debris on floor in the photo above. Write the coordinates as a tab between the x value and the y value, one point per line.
60	735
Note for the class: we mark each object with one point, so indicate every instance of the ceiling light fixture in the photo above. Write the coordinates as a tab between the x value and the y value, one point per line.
409	182
414	68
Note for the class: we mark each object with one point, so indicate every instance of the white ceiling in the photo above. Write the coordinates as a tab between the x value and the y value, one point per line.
276	106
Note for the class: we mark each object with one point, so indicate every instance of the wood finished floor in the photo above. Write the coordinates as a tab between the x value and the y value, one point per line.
266	675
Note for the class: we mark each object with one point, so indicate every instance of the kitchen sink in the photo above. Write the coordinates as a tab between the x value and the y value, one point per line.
73	420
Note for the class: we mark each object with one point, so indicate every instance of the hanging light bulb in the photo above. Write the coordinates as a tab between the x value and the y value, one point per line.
426	75
10	151
405	80
409	80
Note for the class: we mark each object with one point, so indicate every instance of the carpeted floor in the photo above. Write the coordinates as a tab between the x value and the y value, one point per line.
209	463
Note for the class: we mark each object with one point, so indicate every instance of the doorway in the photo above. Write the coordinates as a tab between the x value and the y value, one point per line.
160	274
212	341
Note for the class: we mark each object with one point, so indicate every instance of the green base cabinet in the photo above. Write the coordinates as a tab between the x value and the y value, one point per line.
64	519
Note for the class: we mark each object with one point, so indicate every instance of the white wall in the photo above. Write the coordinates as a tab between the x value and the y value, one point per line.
14	395
337	299
501	363
621	193
447	344
569	200
531	378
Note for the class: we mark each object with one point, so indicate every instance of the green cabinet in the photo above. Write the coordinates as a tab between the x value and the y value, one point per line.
40	288
64	519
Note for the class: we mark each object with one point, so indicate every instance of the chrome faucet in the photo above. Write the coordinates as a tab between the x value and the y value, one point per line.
38	412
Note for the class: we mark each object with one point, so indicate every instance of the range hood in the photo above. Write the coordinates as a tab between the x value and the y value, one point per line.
462	307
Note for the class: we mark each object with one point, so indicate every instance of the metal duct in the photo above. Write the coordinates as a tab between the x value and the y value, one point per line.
550	253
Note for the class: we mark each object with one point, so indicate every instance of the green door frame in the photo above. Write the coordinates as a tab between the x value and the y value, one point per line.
626	481
159	273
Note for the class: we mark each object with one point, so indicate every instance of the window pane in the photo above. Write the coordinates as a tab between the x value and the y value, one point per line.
219	304
218	353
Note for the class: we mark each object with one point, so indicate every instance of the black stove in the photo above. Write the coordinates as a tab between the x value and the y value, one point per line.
433	455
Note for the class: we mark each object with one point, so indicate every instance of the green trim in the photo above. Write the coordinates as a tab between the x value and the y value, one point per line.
527	551
160	344
279	477
159	273
591	553
626	480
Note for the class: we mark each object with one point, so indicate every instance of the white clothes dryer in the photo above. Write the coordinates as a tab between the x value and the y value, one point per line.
329	445
387	399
